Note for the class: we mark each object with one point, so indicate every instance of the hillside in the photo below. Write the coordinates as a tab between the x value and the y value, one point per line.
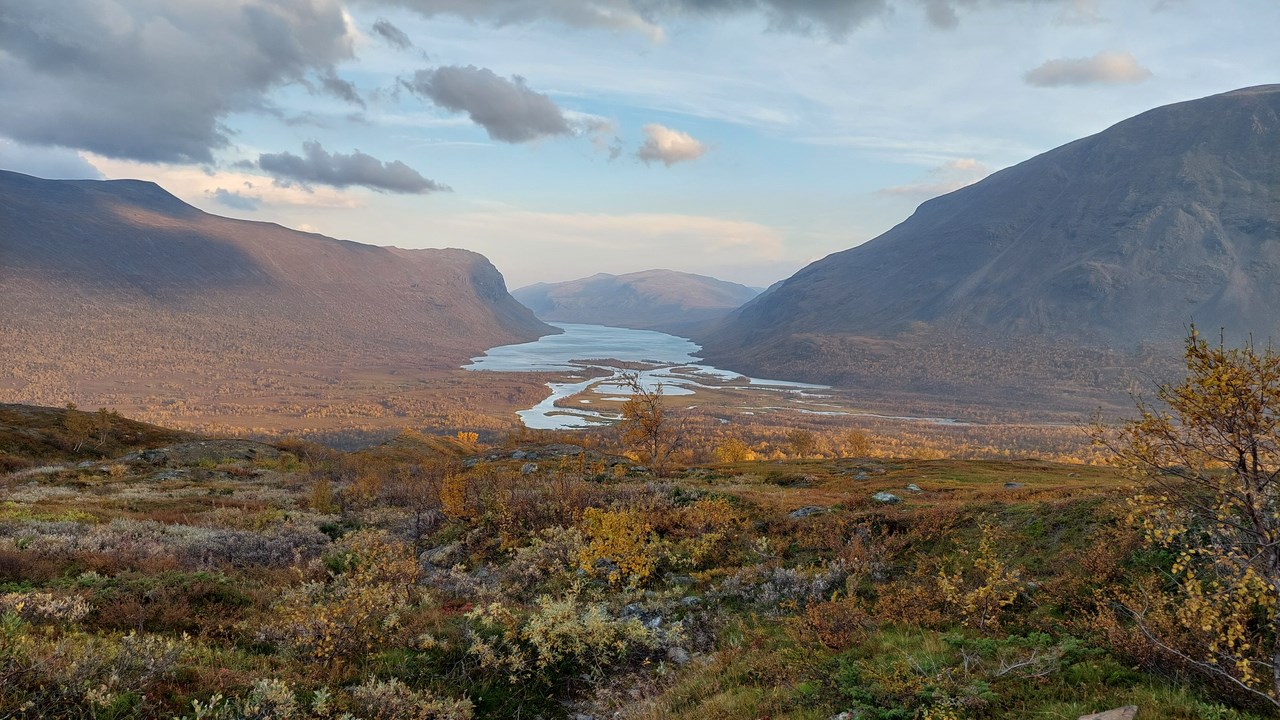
1022	284
535	580
649	300
117	293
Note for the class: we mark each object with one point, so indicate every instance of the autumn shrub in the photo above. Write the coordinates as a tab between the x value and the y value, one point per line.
560	638
837	623
374	699
72	674
354	606
620	546
546	563
981	585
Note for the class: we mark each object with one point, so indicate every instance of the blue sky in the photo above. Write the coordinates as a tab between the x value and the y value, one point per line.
778	131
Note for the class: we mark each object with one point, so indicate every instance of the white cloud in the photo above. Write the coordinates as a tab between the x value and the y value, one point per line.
200	187
1105	68
667	146
948	177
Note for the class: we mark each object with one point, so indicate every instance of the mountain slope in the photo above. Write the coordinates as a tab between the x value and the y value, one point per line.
650	300
1103	245
118	289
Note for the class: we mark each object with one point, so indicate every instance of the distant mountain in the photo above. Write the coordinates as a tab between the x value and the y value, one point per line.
649	300
118	288
1086	254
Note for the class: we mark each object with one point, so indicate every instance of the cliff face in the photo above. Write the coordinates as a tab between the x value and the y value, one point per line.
1108	243
650	300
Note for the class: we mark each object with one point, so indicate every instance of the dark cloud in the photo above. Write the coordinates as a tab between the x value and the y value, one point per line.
394	36
319	167
339	88
154	81
506	108
236	200
835	19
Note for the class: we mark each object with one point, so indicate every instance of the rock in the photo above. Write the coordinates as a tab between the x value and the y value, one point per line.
914	488
678	655
690	601
680	579
519	455
846	715
886	498
654	622
528	468
1128	712
444	555
805	512
1013	485
582	716
861	476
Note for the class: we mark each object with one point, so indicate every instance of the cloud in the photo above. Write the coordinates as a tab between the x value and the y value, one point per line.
1105	68
235	200
609	14
506	108
52	163
319	167
199	186
339	88
836	19
948	177
662	144
394	36
155	81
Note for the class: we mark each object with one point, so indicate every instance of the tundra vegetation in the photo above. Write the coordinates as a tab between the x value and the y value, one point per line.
790	572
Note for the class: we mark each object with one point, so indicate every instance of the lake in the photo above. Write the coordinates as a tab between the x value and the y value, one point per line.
594	351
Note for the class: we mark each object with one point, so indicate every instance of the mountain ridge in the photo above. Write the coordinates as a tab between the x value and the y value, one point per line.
1111	243
658	299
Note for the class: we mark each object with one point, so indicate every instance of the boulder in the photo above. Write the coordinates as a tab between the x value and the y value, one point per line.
528	468
1128	712
805	512
886	498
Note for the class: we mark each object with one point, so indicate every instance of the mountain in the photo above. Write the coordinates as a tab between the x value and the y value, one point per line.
1094	252
119	291
649	300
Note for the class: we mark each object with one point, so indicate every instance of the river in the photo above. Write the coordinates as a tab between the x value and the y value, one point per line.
593	357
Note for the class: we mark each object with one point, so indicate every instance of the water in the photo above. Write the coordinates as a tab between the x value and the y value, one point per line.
669	360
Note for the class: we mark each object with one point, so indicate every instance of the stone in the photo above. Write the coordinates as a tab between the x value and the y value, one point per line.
678	655
690	601
1128	712
846	715
886	498
861	476
1013	485
528	468
914	488
519	455
444	555
805	512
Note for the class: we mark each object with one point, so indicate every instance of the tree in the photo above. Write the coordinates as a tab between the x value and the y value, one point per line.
645	425
1208	475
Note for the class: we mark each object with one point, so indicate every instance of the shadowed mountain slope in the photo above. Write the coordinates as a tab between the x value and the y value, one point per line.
1102	247
121	280
649	300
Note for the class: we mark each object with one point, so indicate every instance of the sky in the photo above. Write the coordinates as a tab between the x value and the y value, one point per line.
741	139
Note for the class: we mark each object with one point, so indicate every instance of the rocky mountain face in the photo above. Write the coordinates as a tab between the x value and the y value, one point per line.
120	279
649	300
1106	247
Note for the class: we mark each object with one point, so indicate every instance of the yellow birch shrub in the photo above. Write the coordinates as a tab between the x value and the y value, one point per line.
620	540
